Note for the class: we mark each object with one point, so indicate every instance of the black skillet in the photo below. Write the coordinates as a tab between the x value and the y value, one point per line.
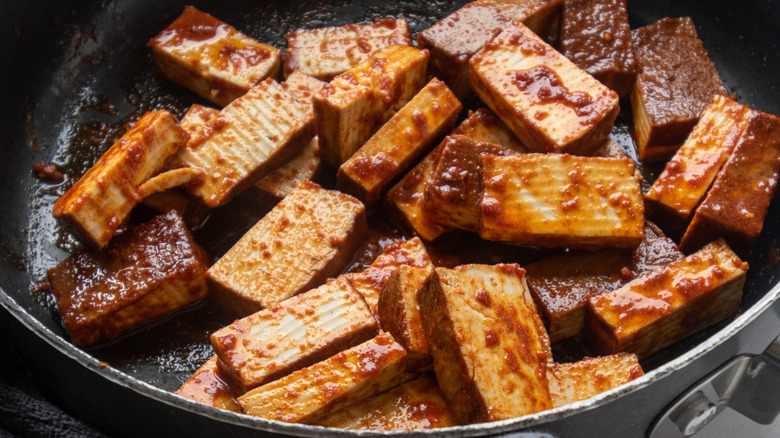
77	72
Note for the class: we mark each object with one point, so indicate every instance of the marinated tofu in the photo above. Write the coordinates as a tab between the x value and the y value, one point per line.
309	236
595	35
572	382
210	386
676	83
555	200
148	271
302	86
212	58
100	201
551	104
415	405
737	203
335	383
399	143
667	304
490	349
247	140
356	103
293	334
329	51
453	40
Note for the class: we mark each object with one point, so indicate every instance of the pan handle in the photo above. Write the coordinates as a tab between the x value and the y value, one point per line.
748	384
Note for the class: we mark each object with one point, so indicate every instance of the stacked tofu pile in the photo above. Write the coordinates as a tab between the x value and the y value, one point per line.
408	342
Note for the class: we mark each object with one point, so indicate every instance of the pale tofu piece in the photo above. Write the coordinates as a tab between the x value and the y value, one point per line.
356	103
684	182
483	125
550	103
572	382
302	86
561	200
490	349
667	304
102	198
335	383
329	51
210	386
309	236
398	313
399	143
250	137
415	405
293	334
370	282
212	58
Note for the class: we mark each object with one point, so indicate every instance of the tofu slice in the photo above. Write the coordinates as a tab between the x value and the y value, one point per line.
572	382
676	83
309	236
415	405
249	138
667	304
356	103
212	58
148	271
210	386
335	383
454	39
327	52
398	312
302	86
483	125
685	180
550	103
102	198
293	334
561	200
490	350
399	143
737	203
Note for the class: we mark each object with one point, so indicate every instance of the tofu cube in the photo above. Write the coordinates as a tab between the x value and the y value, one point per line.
210	386
212	58
102	198
554	200
309	236
490	350
667	304
335	383
329	51
399	143
572	382
550	103
148	271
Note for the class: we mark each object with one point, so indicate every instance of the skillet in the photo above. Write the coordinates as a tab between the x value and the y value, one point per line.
78	73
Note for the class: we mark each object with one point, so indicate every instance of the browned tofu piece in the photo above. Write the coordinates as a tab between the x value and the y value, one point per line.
210	386
335	383
293	334
561	200
102	198
483	125
248	139
572	382
490	349
737	203
676	83
370	282
329	51
595	36
667	304
212	58
356	103
550	103
398	312
685	180
399	143
412	406
147	271
562	284
309	236
454	39
302	86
